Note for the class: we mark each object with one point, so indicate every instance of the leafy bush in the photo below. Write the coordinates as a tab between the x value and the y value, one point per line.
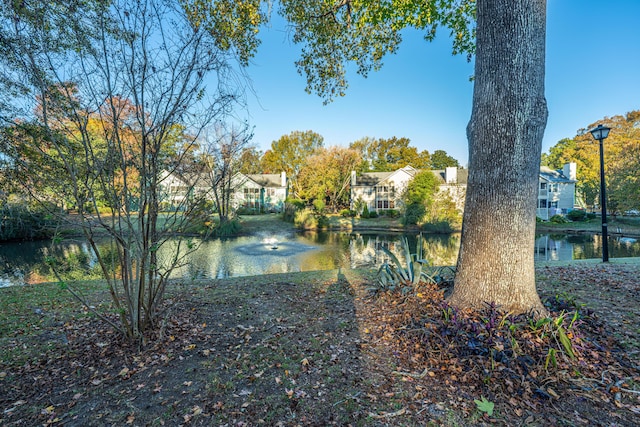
577	215
249	211
391	213
414	213
558	219
373	214
365	212
319	205
396	276
291	207
305	219
20	221
437	227
227	228
591	215
347	213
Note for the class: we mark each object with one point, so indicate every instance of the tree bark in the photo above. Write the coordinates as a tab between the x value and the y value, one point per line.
509	114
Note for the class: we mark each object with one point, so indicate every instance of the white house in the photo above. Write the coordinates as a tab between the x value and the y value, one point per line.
174	189
260	192
383	190
556	191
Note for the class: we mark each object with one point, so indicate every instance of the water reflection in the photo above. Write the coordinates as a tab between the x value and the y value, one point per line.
250	255
562	247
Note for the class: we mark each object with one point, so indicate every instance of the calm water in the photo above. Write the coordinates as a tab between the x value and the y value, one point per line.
244	256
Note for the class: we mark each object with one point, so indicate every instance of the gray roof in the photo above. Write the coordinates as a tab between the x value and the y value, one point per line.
267	180
553	175
462	176
369	179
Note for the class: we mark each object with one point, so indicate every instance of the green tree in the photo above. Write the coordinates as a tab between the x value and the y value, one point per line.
386	155
441	160
419	196
326	176
251	161
584	153
290	153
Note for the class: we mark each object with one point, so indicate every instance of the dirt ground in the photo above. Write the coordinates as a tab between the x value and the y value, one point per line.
318	349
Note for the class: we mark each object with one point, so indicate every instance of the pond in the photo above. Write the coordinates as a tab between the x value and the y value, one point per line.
265	253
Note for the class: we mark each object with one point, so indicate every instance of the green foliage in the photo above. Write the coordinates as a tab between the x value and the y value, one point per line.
577	215
391	213
621	158
386	155
20	221
347	213
309	219
373	214
484	405
233	24
290	153
365	212
227	228
422	188
362	33
404	276
319	205
558	219
441	160
413	213
327	176
291	207
251	161
437	227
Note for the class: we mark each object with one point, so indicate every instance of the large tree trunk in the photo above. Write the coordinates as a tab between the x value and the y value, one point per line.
496	259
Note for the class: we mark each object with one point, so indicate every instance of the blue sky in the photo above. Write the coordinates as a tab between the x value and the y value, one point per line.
423	92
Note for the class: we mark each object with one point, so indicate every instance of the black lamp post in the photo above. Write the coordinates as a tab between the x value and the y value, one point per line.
600	133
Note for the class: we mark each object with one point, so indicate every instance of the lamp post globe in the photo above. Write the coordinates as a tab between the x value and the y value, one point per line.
600	133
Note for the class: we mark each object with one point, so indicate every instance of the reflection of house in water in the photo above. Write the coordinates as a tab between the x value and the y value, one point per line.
549	249
362	250
365	250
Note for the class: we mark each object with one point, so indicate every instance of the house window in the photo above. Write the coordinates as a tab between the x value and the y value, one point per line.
252	197
543	185
386	204
553	188
542	204
385	197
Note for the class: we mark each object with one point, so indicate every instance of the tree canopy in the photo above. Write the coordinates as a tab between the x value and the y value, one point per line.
326	176
290	153
441	160
389	154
